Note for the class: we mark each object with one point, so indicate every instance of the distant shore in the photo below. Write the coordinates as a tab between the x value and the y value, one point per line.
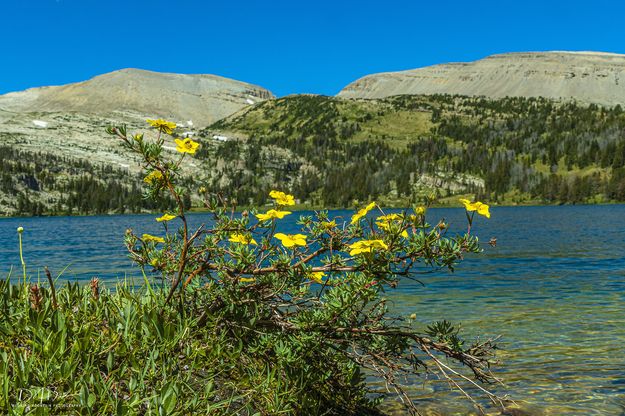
309	207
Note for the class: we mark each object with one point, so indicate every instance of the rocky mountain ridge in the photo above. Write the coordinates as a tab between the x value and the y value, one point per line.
202	98
587	77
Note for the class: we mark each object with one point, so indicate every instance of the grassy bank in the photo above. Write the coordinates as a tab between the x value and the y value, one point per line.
88	350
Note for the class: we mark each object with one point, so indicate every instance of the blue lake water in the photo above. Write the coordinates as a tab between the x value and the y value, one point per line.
553	288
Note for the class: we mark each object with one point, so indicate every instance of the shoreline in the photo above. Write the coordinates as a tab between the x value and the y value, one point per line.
306	207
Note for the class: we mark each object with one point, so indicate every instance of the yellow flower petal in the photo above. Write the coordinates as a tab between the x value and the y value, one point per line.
291	240
282	198
328	224
468	205
317	277
361	213
366	246
483	209
162	125
420	210
480	207
153	177
242	239
271	214
186	146
152	238
165	217
384	223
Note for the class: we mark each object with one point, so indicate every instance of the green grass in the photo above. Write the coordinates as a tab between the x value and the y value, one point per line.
123	352
396	128
300	115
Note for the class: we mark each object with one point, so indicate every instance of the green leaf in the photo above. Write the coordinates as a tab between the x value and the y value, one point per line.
169	398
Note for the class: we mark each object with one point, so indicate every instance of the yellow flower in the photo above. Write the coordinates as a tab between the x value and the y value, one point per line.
153	177
242	239
481	208
186	146
420	210
165	217
366	246
162	125
282	198
151	238
246	279
384	222
361	213
272	213
317	277
290	240
389	218
328	224
138	137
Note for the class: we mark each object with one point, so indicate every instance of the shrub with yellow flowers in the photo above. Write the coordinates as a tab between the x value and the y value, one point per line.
302	318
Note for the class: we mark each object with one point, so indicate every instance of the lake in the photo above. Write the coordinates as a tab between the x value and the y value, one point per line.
553	288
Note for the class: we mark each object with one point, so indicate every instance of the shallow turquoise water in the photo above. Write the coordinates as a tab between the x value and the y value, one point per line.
553	288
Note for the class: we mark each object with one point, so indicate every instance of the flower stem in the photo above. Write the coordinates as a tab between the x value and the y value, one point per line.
19	235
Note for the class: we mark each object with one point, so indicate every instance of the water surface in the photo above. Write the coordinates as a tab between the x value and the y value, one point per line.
553	288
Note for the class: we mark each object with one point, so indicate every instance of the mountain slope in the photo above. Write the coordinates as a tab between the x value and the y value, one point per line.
203	99
588	77
56	157
331	151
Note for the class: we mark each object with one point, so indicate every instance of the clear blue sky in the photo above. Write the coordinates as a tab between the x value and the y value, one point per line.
288	47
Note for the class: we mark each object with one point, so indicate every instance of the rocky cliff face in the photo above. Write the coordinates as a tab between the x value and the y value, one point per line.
589	77
203	99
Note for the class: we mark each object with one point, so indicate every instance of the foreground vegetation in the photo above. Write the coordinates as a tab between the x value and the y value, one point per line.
90	351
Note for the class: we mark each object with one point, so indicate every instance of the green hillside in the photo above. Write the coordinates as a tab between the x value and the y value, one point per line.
42	183
332	151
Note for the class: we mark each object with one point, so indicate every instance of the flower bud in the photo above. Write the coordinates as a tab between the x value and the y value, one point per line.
20	230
